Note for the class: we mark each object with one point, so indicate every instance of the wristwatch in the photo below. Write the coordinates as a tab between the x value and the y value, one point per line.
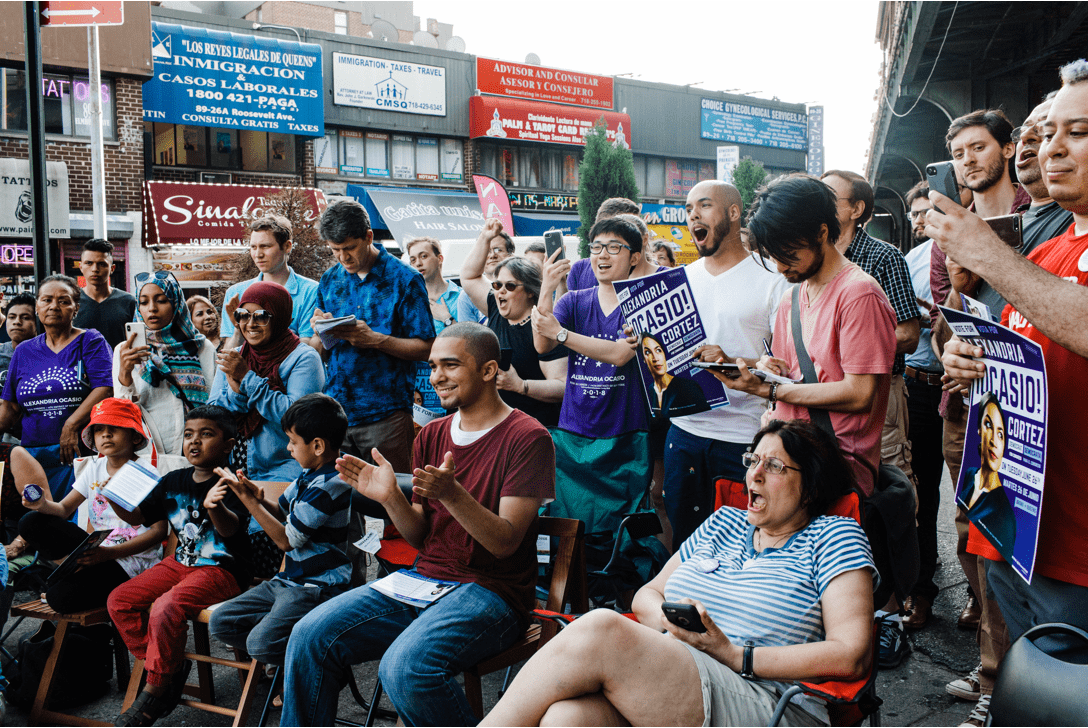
561	337
747	669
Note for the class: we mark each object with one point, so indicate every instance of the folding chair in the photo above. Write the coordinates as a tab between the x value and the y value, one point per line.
249	670
1035	687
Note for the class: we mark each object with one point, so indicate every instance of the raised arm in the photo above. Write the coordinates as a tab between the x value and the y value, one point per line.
472	270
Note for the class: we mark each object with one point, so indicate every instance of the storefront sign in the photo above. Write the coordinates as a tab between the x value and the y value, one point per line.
536	201
190	263
815	165
543	84
16	254
411	213
186	213
215	78
670	222
16	201
728	159
760	126
325	155
380	83
529	121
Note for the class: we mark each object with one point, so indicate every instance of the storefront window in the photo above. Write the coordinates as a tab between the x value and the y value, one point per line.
640	172
200	146
427	159
354	148
66	101
377	157
254	149
281	152
192	146
225	151
453	166
655	176
545	168
404	163
326	159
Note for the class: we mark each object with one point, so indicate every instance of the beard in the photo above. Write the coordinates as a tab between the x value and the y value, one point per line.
715	238
813	269
992	177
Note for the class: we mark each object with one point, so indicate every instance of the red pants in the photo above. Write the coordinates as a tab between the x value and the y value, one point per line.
152	611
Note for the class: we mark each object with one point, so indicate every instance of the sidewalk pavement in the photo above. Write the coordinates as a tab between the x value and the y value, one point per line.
913	693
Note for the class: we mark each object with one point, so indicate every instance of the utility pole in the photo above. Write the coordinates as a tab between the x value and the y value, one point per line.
35	117
98	172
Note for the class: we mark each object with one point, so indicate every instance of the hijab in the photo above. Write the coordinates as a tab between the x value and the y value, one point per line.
175	348
265	360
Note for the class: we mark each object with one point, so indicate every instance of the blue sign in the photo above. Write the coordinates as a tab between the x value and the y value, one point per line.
234	81
726	121
654	214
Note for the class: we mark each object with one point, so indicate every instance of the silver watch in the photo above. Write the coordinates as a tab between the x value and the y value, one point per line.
561	337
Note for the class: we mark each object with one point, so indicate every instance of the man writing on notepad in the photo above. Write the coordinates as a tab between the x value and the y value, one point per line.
480	477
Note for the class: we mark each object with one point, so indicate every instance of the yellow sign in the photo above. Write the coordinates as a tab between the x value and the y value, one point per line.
677	234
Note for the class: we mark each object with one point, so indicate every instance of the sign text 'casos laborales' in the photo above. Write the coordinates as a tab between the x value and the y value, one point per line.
388	85
761	126
220	79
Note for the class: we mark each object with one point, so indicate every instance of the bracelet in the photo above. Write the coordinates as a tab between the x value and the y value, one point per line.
525	387
774	395
747	670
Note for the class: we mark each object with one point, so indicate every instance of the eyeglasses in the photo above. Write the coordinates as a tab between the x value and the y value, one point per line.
499	251
613	248
260	317
774	466
510	286
915	214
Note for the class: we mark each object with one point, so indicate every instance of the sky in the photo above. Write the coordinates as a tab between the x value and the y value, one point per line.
802	52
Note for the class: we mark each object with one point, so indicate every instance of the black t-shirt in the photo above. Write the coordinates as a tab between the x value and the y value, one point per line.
525	361
109	317
180	499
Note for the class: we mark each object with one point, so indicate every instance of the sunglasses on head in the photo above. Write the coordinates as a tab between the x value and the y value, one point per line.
510	286
260	317
151	277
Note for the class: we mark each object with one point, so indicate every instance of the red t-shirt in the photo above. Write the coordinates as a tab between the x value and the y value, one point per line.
1063	532
849	330
516	458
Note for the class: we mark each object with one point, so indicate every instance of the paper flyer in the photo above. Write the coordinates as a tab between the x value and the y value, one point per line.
1004	449
426	405
661	310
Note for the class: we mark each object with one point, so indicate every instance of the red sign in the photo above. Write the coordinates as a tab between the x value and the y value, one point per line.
529	121
85	12
187	213
543	84
494	201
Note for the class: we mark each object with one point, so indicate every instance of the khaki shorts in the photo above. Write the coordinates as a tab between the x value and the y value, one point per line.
730	700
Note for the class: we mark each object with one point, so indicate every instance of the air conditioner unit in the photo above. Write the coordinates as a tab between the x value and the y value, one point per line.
218	178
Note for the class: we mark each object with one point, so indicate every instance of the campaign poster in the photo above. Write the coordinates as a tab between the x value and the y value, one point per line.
661	310
426	406
1004	449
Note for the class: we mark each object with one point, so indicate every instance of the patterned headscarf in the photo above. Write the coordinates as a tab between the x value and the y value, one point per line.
175	349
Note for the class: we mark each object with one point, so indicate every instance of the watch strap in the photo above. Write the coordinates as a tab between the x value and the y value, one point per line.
746	665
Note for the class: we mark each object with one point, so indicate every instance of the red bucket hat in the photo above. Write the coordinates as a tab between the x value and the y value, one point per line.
119	413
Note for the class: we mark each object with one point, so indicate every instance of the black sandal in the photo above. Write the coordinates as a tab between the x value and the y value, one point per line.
148	708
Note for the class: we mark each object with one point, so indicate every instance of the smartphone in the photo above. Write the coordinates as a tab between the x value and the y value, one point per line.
729	370
941	177
140	329
684	616
1010	228
505	357
553	241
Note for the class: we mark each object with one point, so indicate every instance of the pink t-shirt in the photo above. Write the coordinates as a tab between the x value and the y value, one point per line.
849	330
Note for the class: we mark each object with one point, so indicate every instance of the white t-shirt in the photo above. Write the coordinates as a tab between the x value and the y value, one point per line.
738	309
97	509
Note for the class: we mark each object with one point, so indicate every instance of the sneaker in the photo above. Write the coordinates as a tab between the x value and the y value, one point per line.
965	688
893	644
978	715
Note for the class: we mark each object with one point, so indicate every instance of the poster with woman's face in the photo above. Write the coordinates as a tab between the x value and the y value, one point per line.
661	310
1004	451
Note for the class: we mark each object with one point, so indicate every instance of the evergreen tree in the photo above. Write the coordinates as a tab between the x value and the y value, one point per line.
748	176
606	171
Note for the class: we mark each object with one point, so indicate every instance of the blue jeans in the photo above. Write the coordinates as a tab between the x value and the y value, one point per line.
1045	600
691	465
423	650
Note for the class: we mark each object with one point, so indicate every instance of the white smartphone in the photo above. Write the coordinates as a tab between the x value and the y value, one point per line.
140	329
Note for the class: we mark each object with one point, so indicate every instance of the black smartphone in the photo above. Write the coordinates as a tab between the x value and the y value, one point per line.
553	241
728	369
505	356
941	177
1010	228
684	616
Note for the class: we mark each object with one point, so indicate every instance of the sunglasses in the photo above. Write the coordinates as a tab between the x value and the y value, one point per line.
146	277
260	317
510	286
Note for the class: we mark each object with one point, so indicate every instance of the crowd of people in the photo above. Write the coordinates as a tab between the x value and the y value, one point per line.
543	410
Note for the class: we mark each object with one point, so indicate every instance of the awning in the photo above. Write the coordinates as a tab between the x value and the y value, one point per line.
81	225
410	213
535	223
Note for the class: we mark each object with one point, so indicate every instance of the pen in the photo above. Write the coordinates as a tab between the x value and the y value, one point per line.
767	348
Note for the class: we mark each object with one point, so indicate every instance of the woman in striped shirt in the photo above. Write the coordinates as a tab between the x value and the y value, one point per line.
783	593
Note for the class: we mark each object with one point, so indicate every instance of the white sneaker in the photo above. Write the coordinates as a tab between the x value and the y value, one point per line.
965	688
978	716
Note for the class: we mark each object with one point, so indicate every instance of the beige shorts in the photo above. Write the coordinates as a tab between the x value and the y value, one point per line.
730	700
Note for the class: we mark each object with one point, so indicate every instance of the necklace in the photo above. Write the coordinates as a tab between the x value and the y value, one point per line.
525	320
777	541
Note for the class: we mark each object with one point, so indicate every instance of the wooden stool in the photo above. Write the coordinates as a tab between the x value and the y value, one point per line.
40	714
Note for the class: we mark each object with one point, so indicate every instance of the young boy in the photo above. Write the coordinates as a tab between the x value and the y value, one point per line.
309	522
115	432
209	566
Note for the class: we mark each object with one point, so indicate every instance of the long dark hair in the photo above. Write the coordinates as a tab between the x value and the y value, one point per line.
826	476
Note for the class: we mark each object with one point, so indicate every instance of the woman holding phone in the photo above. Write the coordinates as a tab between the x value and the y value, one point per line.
170	373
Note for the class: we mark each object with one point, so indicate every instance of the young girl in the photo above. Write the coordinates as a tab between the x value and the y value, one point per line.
115	432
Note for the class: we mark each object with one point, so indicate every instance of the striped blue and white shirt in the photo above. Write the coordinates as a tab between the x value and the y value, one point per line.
317	507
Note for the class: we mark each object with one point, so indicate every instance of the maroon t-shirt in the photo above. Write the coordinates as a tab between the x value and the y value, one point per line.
516	458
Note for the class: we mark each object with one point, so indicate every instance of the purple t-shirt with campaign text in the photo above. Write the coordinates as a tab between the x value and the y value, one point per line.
601	400
50	386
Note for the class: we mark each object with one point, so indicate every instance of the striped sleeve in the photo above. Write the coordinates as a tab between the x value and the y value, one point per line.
840	547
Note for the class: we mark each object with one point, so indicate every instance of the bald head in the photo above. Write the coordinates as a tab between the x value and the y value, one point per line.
723	192
714	210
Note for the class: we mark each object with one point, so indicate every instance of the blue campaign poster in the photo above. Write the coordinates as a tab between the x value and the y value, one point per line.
661	310
216	78
1004	449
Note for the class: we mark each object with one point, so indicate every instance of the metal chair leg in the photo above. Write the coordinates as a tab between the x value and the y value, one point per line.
271	695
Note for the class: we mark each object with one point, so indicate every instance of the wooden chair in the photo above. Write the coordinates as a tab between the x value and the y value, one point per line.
568	586
202	695
40	714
